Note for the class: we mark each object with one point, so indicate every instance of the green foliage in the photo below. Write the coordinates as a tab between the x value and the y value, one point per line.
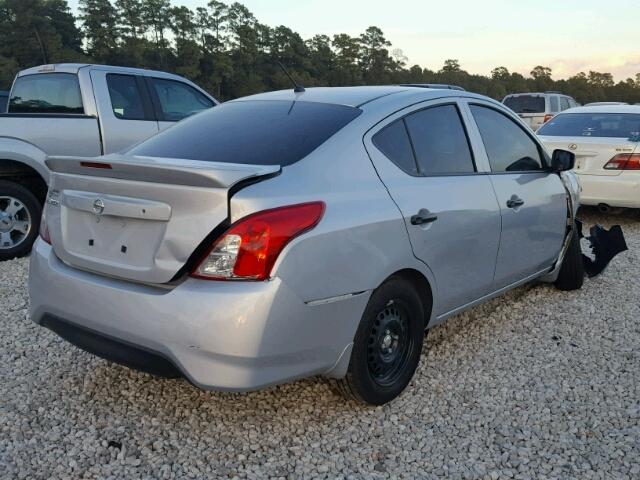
225	49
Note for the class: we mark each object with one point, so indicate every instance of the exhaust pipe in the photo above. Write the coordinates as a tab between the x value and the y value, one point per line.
604	208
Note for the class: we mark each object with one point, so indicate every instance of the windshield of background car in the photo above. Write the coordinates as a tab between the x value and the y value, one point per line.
251	132
613	125
526	104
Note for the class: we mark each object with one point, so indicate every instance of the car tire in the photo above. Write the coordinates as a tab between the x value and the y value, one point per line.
387	344
17	242
571	276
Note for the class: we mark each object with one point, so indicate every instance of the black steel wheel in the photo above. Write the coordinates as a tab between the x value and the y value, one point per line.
387	345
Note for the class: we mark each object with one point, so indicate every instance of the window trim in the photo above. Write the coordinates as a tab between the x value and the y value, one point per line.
147	107
155	100
541	151
402	118
40	74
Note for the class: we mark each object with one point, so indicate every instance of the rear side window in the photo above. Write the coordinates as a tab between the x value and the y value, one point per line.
612	125
46	93
251	132
526	103
3	102
126	98
393	141
507	145
178	100
439	141
564	103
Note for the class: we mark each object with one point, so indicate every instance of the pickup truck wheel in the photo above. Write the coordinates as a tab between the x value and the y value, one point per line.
387	345
20	213
571	276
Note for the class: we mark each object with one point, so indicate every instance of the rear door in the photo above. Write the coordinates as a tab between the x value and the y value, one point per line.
175	100
532	108
423	156
532	200
125	110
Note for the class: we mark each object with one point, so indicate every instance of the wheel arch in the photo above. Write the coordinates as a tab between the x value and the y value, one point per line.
422	286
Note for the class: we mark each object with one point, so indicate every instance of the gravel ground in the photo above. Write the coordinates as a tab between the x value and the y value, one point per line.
537	384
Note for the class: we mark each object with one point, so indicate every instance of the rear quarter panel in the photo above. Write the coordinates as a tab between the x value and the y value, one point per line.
361	239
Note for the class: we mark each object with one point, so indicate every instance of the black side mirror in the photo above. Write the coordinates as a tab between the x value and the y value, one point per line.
562	160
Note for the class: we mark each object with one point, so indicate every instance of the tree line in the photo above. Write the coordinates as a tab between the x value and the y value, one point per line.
226	50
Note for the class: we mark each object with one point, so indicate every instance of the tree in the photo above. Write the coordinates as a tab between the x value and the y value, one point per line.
451	66
99	23
500	73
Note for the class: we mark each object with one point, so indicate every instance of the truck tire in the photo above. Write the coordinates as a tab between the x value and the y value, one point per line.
20	213
571	276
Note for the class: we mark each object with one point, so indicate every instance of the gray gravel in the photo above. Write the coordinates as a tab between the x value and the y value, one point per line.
538	384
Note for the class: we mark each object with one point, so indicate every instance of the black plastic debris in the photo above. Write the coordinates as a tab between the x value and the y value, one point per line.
605	245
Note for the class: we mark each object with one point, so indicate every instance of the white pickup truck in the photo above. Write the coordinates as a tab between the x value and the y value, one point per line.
78	110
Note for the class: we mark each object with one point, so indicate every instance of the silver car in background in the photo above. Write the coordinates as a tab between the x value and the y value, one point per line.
289	234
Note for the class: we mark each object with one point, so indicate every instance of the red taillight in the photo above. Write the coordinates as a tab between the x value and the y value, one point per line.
44	229
624	161
547	117
250	248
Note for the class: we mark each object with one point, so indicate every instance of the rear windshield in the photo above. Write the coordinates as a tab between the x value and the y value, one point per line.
615	125
251	132
526	104
46	93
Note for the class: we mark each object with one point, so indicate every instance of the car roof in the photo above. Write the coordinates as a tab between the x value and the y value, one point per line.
604	109
537	94
361	96
76	67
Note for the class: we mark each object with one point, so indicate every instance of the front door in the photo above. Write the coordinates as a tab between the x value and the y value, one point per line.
450	210
532	199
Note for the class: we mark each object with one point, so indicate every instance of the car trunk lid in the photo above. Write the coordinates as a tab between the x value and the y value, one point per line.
592	153
138	218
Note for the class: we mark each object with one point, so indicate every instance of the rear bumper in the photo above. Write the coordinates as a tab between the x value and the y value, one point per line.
234	336
616	191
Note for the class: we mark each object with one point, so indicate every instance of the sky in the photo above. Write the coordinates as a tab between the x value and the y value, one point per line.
567	35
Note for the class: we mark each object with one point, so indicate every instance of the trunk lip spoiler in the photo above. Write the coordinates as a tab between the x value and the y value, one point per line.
162	170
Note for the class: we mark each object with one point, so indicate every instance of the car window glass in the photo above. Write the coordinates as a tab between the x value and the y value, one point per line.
507	145
126	99
610	125
394	142
46	93
526	103
251	132
178	100
3	103
439	141
553	103
564	103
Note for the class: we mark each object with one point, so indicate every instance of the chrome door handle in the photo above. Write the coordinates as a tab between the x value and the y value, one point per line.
515	202
423	216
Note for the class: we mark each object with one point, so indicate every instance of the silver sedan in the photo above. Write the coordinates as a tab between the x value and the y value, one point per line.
292	234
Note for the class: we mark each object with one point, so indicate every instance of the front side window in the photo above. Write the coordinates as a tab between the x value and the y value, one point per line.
508	146
47	93
178	100
126	99
610	125
564	103
439	141
251	132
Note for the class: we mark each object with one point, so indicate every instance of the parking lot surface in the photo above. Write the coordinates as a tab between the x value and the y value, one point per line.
537	384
